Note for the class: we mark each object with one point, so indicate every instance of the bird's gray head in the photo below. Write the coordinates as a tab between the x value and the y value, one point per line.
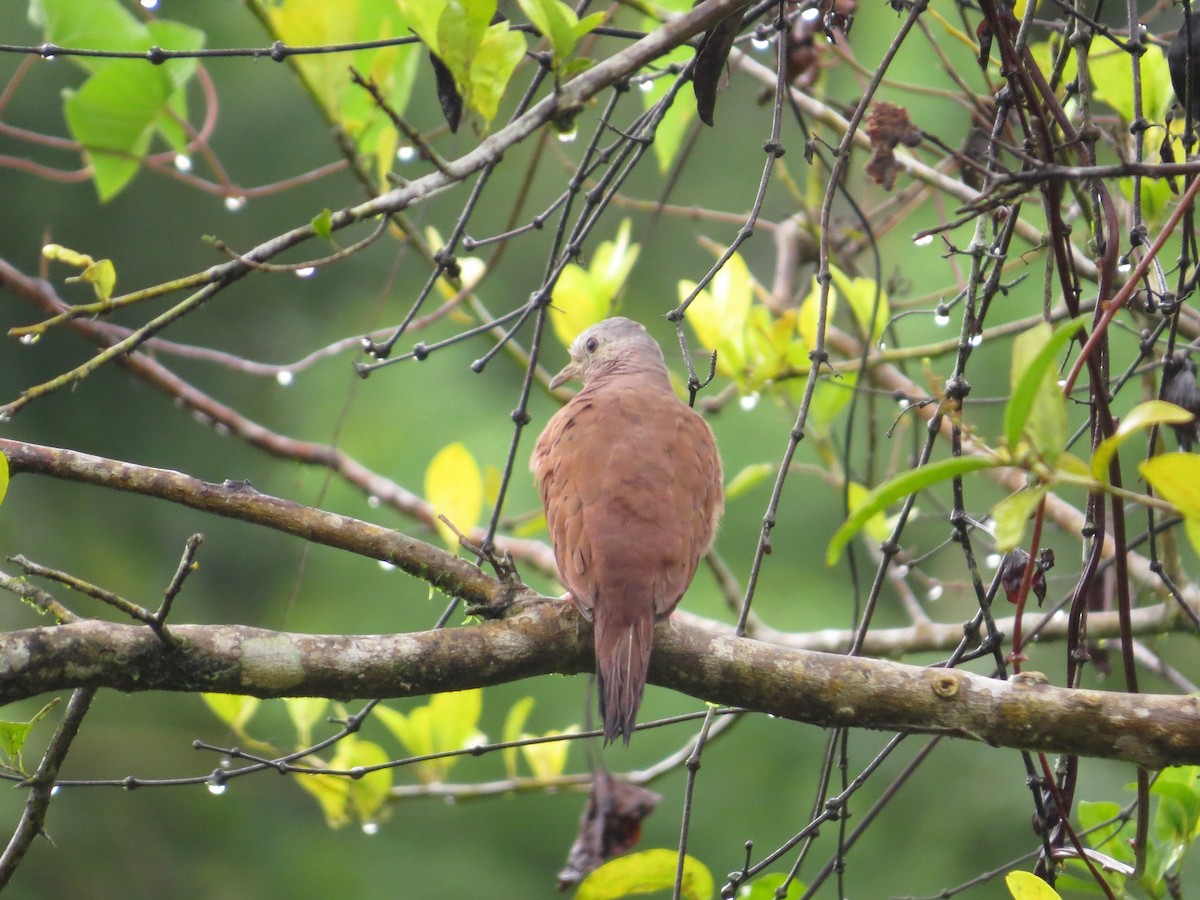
616	345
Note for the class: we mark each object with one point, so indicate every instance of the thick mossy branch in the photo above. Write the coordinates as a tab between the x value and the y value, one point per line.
545	636
540	637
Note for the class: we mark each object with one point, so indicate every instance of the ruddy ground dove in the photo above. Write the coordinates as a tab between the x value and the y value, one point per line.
631	482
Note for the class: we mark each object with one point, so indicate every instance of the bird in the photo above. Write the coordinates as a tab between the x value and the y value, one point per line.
1180	388
630	479
1183	62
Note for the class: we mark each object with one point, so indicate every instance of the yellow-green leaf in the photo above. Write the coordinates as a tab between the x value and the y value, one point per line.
492	67
1012	514
454	487
332	793
101	275
423	17
1027	886
232	709
644	873
3	476
305	712
810	313
1176	478
368	793
831	395
576	307
514	726
557	22
1070	464
613	261
1144	415
1112	80
868	301
447	723
66	256
549	760
583	297
721	312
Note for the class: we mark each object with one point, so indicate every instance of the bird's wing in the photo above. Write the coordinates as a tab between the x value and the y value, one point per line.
631	483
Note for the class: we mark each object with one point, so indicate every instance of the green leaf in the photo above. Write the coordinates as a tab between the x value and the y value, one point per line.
14	734
1027	886
644	873
750	476
1144	415
877	525
1157	198
831	395
1101	819
1178	816
113	115
767	888
95	25
1036	405
668	137
124	103
454	488
175	36
901	486
1011	515
587	23
322	224
574	66
1176	478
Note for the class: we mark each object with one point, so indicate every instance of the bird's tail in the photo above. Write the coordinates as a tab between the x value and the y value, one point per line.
623	642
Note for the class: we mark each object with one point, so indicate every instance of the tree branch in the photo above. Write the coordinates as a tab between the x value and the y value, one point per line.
239	500
548	636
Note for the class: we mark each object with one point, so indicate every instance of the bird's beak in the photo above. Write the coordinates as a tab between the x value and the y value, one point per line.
570	370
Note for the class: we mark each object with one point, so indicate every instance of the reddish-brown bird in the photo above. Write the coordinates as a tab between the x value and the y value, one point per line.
631	483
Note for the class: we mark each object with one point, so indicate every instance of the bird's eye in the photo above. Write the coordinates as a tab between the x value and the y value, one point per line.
592	344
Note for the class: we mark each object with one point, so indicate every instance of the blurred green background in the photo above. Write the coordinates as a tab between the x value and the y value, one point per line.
966	811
